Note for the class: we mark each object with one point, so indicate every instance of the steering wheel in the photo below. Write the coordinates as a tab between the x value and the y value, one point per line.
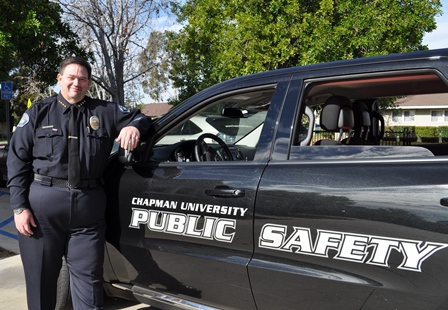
203	152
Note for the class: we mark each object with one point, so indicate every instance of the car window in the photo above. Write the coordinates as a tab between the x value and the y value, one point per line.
186	129
383	115
236	120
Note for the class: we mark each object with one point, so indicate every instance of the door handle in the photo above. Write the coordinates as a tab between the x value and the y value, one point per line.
225	192
444	201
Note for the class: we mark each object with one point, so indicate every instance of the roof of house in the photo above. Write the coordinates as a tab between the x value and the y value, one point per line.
431	101
156	109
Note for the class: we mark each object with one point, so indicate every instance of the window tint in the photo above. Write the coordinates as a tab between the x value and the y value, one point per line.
389	115
188	128
237	120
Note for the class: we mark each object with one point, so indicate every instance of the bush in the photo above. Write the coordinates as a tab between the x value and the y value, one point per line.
421	132
397	128
393	131
442	131
427	132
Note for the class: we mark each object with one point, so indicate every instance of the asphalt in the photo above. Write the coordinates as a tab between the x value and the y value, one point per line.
12	281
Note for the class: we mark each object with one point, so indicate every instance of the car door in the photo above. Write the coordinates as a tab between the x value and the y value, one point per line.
351	227
183	227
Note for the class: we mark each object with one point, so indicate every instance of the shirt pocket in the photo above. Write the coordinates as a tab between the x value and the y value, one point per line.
49	141
98	141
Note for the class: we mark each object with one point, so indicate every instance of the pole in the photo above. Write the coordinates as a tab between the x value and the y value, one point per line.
8	120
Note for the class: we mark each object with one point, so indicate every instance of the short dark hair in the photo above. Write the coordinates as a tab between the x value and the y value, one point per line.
76	60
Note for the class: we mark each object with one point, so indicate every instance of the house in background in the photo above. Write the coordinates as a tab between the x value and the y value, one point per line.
156	109
421	110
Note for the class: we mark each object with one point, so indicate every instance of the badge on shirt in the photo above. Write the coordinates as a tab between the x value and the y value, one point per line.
123	109
24	120
94	122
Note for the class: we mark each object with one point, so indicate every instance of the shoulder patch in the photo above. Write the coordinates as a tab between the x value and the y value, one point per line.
24	120
123	109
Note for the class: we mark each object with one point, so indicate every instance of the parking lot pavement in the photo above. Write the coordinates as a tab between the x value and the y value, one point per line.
8	232
12	281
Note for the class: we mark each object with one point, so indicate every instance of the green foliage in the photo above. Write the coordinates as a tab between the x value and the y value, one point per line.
228	38
400	128
140	106
442	131
421	131
426	131
32	34
33	41
155	63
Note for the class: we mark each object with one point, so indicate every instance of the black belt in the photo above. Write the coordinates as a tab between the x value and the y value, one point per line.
50	181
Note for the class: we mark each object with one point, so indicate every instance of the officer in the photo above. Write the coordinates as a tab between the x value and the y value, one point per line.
58	201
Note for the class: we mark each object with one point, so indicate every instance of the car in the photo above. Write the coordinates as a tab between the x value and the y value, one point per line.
287	220
273	215
3	171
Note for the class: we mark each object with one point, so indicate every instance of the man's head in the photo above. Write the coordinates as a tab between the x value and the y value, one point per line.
74	78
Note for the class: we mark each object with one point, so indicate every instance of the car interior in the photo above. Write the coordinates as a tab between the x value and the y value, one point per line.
226	130
337	117
347	114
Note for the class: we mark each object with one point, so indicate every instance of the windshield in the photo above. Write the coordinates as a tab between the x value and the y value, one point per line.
231	130
231	119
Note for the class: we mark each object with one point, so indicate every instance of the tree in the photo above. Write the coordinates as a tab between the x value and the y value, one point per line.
156	60
223	39
115	32
33	41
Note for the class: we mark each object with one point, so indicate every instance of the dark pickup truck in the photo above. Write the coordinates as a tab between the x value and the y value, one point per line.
237	201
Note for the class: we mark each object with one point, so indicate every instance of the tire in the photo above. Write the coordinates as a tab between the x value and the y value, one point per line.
64	297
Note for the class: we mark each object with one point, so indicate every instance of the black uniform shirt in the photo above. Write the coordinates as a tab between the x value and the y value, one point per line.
39	143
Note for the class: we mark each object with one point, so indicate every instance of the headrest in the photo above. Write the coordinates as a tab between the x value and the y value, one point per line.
362	114
337	114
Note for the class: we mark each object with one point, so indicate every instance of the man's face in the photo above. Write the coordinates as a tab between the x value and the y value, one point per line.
74	83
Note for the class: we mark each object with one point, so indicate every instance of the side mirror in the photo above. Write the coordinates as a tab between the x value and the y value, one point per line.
129	158
125	157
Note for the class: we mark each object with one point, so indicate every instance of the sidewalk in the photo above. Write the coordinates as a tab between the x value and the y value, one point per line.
12	281
8	232
12	284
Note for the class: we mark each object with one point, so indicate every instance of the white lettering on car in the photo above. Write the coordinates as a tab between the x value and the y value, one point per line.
215	209
348	246
158	203
189	206
212	228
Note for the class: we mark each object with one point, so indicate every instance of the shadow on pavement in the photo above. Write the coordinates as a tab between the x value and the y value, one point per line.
111	303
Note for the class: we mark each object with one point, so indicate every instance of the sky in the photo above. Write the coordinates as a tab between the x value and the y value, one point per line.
439	37
434	40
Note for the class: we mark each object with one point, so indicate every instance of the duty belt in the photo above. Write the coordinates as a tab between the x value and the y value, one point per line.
50	181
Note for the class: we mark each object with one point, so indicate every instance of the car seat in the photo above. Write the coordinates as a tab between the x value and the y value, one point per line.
362	124
336	116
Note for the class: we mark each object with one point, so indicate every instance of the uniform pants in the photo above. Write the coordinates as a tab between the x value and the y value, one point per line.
69	222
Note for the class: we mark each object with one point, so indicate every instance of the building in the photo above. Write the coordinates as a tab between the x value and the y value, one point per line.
421	110
156	109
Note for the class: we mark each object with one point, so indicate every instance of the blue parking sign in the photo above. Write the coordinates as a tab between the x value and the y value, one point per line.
6	90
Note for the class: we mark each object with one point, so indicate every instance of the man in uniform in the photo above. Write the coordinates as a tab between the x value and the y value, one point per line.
56	158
